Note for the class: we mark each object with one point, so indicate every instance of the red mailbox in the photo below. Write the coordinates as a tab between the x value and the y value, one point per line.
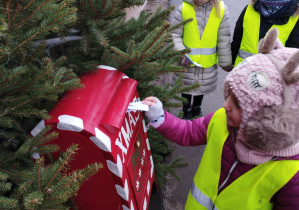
96	118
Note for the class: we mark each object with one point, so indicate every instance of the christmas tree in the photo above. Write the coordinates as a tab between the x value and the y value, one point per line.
45	46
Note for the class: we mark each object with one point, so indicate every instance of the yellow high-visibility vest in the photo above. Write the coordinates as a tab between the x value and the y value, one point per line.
252	190
251	31
203	50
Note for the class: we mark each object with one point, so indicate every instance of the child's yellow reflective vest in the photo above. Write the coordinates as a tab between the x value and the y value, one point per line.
251	31
203	50
252	190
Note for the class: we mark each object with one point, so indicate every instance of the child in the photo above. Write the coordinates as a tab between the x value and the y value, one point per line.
255	21
208	37
251	160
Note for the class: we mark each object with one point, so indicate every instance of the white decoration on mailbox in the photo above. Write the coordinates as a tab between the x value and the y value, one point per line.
144	204
148	144
132	205
70	123
144	126
106	67
148	187
35	156
117	168
142	161
137	185
152	166
126	77
101	140
126	208
38	128
123	192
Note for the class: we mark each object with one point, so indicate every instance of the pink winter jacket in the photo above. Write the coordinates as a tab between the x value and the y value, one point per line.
193	133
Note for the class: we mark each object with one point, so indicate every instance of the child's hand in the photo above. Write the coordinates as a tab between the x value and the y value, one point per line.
185	62
228	68
151	101
155	114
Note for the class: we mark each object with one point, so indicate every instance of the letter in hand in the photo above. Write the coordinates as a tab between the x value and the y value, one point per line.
151	101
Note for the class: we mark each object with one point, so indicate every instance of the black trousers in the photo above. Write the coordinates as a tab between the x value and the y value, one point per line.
197	100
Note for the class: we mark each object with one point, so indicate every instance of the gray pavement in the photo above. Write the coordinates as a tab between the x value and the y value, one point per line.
175	193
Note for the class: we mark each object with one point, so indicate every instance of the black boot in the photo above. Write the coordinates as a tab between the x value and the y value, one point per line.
187	113
187	107
196	111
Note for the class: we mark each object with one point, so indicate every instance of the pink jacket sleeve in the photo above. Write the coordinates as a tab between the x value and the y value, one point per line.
185	132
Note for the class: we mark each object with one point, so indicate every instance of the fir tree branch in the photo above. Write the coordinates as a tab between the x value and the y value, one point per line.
90	16
40	161
71	152
114	5
128	65
63	59
60	17
18	126
29	3
92	8
155	40
25	19
23	57
13	108
37	52
8	17
32	81
7	203
145	75
62	6
3	78
164	15
29	39
17	10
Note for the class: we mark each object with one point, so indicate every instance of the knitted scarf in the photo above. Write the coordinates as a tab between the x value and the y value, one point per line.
273	8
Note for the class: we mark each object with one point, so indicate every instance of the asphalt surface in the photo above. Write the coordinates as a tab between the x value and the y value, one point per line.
173	196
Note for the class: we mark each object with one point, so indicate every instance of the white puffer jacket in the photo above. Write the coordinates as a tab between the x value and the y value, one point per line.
206	77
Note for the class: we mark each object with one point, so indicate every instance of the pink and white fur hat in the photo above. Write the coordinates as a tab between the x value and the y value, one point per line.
267	88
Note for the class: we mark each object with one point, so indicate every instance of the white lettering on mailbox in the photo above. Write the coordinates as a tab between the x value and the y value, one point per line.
118	143
126	134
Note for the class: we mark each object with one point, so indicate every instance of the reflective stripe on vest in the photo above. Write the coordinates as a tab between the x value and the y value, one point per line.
251	31
252	190
203	50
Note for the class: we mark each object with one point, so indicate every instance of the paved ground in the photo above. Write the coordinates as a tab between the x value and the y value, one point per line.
174	194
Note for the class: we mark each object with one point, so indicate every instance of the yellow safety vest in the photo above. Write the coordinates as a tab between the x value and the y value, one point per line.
203	50
251	31
252	190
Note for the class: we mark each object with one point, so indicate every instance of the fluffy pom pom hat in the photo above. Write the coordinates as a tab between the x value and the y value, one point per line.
267	88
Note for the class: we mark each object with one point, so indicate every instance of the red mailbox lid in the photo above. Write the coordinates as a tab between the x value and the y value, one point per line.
101	103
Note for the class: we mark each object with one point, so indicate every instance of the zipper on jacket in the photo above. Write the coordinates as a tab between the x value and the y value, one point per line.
228	175
196	74
226	179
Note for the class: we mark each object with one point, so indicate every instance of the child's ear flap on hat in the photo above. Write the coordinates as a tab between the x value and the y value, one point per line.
267	44
273	128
